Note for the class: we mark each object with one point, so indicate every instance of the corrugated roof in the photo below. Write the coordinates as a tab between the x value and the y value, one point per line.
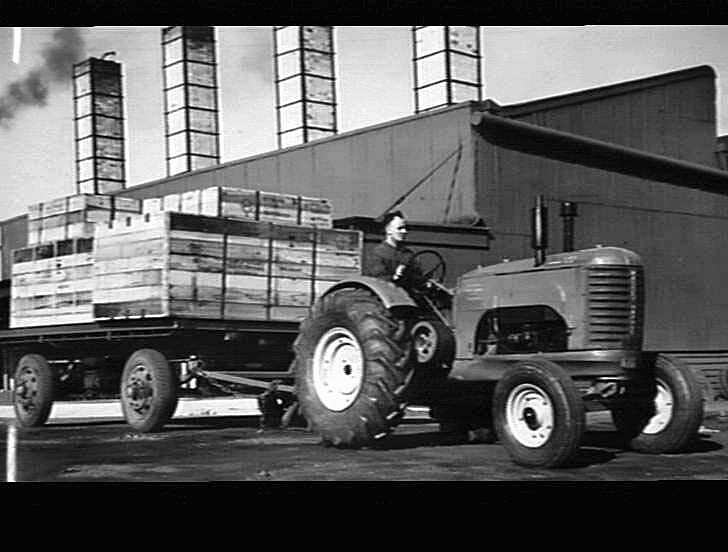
595	94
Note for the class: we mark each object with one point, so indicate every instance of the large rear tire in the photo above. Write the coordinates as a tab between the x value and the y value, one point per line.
670	420
148	391
539	415
33	391
352	368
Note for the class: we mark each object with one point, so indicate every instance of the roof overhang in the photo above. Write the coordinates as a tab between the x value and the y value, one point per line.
588	152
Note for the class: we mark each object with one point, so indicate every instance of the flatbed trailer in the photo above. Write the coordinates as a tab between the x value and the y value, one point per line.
147	362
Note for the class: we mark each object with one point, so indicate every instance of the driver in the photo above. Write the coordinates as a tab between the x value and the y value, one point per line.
391	260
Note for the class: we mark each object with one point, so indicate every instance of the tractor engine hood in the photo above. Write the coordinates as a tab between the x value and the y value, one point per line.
586	257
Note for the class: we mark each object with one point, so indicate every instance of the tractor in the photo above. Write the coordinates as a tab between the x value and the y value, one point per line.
522	348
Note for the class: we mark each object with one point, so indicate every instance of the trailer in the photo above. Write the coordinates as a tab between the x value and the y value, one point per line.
150	362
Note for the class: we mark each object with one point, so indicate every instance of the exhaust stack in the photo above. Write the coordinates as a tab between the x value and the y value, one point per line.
99	126
446	66
568	214
539	231
305	84
190	98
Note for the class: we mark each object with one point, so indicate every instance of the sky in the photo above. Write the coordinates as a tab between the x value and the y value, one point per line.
374	85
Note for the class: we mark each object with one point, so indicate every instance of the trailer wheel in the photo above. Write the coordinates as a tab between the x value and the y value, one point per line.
352	368
724	383
34	390
668	421
539	415
148	390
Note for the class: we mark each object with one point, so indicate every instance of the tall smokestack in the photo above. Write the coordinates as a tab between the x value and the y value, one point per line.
446	66
190	98
99	108
305	83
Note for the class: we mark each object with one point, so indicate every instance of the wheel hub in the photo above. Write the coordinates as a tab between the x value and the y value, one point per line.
663	409
530	415
140	389
26	390
338	368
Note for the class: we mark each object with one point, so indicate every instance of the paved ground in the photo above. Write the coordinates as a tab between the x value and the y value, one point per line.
225	448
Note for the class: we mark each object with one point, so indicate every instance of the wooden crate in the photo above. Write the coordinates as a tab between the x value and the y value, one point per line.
175	264
278	208
75	216
149	266
316	212
236	203
52	283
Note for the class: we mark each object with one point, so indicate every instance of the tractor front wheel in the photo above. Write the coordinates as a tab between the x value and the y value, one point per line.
352	368
539	415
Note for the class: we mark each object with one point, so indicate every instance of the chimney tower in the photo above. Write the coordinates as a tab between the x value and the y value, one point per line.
305	83
99	126
446	66
190	98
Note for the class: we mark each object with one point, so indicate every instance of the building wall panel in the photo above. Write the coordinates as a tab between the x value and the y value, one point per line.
674	118
361	172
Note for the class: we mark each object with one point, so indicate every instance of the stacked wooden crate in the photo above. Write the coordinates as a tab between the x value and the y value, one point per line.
52	284
74	216
238	203
52	278
175	264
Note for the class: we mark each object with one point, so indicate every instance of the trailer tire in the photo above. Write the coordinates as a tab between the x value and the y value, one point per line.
352	368
33	391
670	420
148	391
539	415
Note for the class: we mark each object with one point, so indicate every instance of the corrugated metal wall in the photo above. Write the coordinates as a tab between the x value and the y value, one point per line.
672	114
678	232
361	172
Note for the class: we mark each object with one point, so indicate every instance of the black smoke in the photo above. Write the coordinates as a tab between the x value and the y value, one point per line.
66	48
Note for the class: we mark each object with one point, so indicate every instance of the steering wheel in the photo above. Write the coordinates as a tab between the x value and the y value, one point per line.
433	267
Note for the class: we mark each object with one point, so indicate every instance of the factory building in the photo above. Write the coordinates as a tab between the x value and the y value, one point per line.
470	177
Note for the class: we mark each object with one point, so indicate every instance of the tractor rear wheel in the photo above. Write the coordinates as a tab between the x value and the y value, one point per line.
538	413
668	421
352	368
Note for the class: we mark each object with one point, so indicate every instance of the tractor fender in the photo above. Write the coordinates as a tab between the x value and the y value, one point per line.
390	295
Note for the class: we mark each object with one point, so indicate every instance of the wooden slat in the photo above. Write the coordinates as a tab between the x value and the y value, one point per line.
245	311
335	272
247	266
197	309
291	291
292	270
195	263
131	309
288	313
350	260
128	279
115	266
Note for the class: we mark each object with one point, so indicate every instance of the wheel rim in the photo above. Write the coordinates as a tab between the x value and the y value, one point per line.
530	415
26	390
338	369
139	390
425	342
663	409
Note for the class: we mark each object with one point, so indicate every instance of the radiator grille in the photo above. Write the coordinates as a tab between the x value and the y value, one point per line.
615	302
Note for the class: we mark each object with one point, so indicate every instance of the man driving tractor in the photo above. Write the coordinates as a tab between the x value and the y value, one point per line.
391	260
